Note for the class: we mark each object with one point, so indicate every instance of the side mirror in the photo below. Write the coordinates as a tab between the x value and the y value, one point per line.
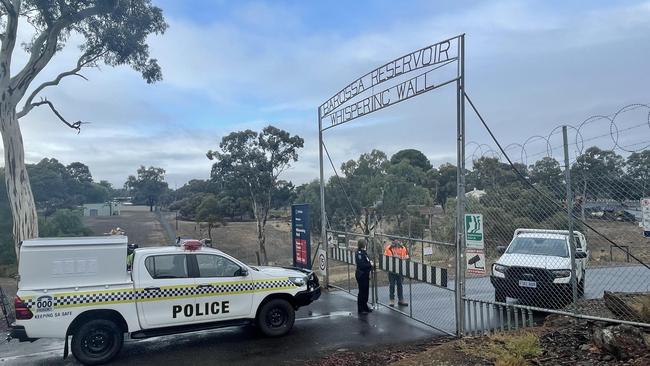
501	249
243	272
581	255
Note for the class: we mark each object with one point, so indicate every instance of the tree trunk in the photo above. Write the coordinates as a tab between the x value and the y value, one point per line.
19	191
261	239
210	231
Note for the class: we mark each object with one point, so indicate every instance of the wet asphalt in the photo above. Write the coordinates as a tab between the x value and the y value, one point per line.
328	325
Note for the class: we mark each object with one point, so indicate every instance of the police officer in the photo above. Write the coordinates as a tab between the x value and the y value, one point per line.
362	276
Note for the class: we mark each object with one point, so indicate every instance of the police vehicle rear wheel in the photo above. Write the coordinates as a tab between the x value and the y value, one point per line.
276	318
97	342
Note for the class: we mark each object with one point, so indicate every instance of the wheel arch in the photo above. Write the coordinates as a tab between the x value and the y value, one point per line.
108	314
282	296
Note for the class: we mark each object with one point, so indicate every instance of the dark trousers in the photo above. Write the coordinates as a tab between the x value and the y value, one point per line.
363	280
395	279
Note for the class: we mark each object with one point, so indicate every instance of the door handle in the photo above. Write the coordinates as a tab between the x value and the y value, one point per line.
152	288
205	286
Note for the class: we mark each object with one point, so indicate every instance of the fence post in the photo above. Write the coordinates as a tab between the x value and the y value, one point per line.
323	214
569	207
460	191
373	255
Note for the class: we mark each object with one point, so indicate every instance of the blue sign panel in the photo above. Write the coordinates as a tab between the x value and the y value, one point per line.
300	236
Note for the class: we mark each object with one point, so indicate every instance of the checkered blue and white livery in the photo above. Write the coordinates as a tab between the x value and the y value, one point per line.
164	293
410	269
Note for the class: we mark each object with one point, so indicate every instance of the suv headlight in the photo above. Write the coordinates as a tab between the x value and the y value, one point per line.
561	273
499	268
298	281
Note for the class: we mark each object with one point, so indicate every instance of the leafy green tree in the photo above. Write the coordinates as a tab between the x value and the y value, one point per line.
49	179
148	186
209	212
357	197
403	193
283	194
412	157
112	32
638	171
195	186
64	222
447	186
255	161
596	173
79	172
489	172
547	172
187	206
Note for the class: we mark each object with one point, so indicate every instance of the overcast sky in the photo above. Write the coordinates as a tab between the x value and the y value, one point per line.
232	65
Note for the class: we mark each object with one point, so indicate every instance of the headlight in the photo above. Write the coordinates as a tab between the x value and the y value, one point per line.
298	281
561	273
499	268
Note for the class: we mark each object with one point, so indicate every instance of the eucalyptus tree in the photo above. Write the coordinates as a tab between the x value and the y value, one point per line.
113	32
254	162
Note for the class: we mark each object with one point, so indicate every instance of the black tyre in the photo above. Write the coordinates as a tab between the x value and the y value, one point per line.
97	341
499	296
276	318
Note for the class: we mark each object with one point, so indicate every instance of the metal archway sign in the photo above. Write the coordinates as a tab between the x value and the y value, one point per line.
403	78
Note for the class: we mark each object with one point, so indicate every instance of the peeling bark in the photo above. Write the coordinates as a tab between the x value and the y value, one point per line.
19	190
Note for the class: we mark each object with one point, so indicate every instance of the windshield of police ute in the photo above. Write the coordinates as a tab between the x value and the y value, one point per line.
539	246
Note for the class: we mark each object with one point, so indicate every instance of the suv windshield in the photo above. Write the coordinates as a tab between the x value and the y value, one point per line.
539	246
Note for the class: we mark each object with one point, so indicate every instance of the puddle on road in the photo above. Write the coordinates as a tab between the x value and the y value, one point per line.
333	314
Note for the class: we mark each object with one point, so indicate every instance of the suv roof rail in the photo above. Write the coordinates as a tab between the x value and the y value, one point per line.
547	231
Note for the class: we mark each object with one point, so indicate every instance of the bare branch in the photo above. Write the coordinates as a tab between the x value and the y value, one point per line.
74	125
45	46
83	61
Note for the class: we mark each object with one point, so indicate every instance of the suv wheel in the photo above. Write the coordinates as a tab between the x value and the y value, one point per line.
97	341
276	318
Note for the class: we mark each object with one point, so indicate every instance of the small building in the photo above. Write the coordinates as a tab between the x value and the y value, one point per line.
475	194
102	209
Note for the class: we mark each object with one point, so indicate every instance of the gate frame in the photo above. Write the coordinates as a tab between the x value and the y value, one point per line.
460	176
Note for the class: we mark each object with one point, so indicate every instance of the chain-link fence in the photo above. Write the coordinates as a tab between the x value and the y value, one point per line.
529	259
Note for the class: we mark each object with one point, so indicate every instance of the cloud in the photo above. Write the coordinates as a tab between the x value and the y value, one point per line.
529	66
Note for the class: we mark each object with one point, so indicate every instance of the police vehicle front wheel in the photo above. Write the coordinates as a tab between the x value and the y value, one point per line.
97	341
276	318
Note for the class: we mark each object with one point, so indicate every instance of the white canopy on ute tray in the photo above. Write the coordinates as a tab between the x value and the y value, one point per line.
72	262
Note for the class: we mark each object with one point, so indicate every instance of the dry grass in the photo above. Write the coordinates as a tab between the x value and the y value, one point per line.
141	226
239	239
506	349
512	349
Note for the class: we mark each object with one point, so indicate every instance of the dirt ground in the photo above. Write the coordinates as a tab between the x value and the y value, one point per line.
239	239
565	344
141	226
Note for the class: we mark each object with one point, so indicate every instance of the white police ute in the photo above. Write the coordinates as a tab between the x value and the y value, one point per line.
88	289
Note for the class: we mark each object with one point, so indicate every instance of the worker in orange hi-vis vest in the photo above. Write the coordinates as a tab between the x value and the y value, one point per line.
396	249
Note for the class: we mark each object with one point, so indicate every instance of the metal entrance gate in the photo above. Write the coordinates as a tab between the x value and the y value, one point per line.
435	299
425	280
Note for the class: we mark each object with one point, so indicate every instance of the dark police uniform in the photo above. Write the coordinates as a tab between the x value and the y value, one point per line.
362	276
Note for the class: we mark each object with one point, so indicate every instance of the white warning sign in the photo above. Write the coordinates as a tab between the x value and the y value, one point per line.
475	261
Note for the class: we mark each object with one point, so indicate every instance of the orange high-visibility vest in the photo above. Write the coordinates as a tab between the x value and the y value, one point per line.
399	252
